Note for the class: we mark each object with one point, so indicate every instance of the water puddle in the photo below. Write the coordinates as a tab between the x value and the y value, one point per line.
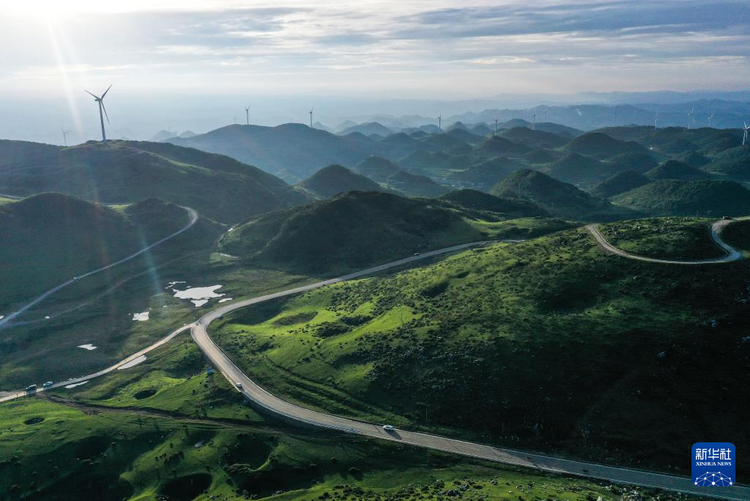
198	295
87	346
132	363
140	317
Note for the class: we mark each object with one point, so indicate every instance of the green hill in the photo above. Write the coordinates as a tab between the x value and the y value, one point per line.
508	207
465	136
639	162
688	198
290	151
414	185
334	179
575	168
674	169
619	183
486	174
734	162
550	194
497	146
125	171
534	138
351	231
601	145
551	344
49	238
377	168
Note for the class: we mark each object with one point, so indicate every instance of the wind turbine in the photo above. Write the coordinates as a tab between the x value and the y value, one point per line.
690	118
656	121
744	135
247	115
311	113
440	122
495	127
65	137
102	110
710	118
533	123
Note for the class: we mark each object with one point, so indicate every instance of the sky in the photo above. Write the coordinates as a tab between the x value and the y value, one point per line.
274	52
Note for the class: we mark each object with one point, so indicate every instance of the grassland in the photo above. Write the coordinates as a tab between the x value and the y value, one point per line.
166	428
737	235
665	238
550	345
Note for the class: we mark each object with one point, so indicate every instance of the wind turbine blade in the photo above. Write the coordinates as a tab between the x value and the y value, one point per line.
105	92
93	95
105	111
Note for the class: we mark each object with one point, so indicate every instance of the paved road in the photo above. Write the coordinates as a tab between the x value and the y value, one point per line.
289	411
6	322
731	254
7	397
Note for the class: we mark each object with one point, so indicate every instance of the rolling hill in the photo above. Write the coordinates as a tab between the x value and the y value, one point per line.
575	168
217	186
534	138
597	144
377	168
550	194
508	207
290	151
619	183
688	198
674	169
497	146
734	162
486	174
350	231
368	129
334	179
50	238
415	185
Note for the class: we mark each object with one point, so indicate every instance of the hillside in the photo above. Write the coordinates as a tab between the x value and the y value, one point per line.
638	162
575	168
597	144
688	198
50	238
550	194
350	231
377	168
368	129
619	183
469	335
290	151
486	174
497	146
673	169
415	185
334	179
733	162
217	186
507	207
534	138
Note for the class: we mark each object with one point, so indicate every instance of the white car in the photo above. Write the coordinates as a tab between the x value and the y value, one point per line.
388	427
47	384
238	385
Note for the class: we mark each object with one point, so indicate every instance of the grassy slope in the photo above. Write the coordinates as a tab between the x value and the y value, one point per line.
469	335
738	235
86	236
689	198
53	451
666	238
128	171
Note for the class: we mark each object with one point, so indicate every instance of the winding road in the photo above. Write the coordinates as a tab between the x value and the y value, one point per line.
288	411
5	322
730	253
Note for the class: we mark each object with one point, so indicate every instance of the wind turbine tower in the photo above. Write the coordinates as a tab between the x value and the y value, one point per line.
533	123
440	122
710	118
744	135
311	116
495	127
656	121
65	137
247	115
102	111
690	118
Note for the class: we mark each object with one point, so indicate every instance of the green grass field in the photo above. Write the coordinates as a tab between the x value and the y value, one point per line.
111	439
665	238
550	345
